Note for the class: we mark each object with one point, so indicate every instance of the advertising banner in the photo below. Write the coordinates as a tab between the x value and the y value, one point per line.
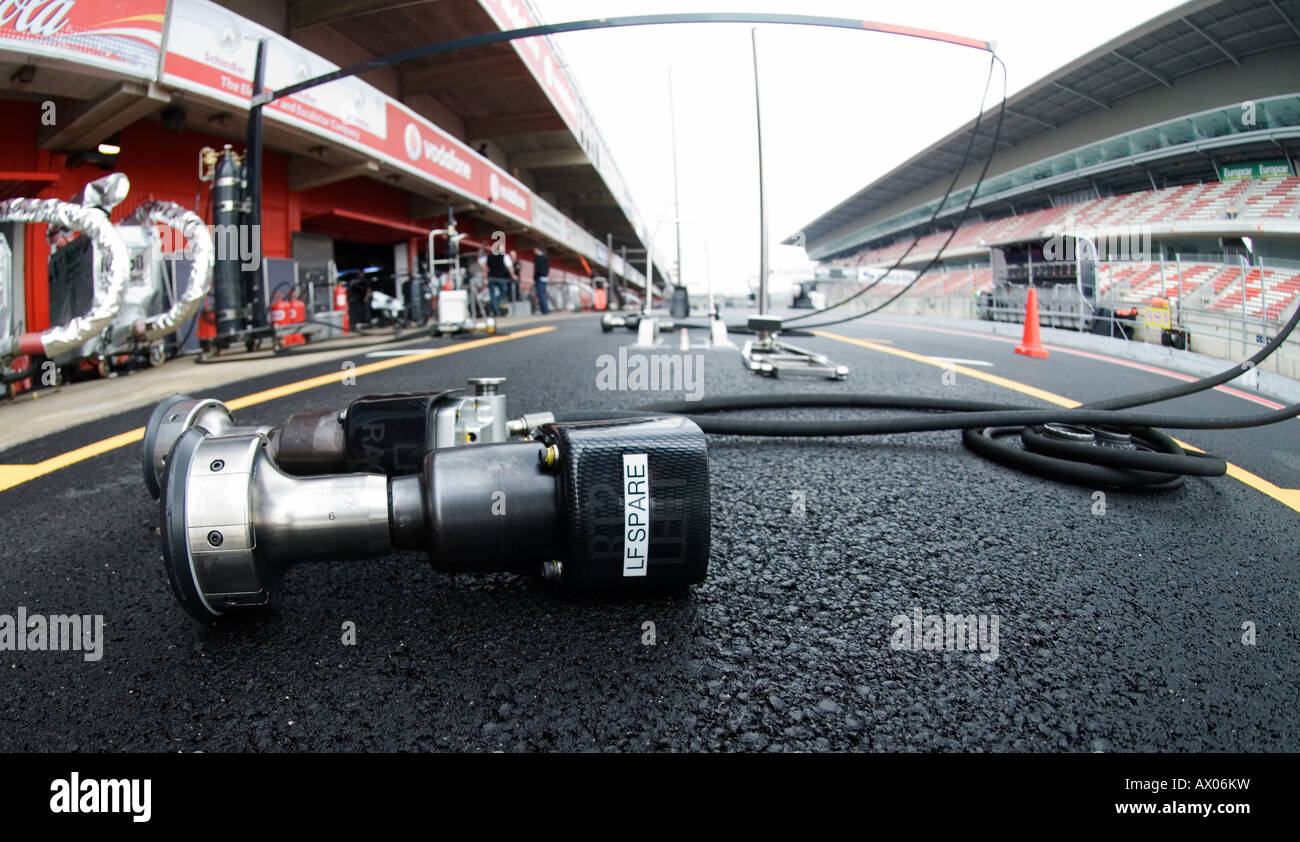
1260	169
213	51
119	35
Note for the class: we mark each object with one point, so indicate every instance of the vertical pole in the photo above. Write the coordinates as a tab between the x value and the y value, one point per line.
1178	278
1263	308
253	174
609	270
762	210
454	273
623	254
1244	351
649	275
677	208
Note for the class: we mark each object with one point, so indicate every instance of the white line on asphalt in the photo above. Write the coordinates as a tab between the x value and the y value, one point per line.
401	353
960	361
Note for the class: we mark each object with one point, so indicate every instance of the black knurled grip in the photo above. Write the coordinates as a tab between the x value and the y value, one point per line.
597	529
389	434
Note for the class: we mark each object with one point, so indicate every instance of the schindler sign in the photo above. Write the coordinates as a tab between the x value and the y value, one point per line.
1260	169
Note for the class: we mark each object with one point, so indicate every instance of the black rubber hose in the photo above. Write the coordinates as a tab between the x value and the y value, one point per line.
962	414
997	134
1182	389
984	441
943	200
14	376
1155	463
1160	454
1160	469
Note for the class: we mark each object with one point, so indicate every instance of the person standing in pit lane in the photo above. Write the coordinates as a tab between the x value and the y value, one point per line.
500	271
514	283
541	269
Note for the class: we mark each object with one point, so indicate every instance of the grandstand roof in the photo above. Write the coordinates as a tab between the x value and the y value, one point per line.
1190	38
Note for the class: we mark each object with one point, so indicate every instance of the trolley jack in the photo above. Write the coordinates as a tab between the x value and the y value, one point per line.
769	356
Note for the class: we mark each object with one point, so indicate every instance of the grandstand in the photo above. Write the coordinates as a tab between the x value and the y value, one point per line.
1199	205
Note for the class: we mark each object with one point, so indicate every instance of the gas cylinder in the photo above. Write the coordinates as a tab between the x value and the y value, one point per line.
341	303
279	310
296	313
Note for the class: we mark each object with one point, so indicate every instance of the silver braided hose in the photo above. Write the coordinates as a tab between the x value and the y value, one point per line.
113	259
201	252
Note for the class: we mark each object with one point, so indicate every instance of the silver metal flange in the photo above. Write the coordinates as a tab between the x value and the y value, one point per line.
170	418
233	522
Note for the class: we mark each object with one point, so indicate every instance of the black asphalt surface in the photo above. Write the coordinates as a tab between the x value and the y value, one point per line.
1117	632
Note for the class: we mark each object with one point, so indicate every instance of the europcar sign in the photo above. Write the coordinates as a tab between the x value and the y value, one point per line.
1260	169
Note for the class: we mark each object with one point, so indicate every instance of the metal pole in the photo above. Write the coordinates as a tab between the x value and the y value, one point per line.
762	210
1178	270
609	265
253	173
1263	307
1164	283
649	275
677	208
623	254
1242	258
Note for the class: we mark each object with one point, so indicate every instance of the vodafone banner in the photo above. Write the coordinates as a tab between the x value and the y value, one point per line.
120	35
508	195
416	144
421	146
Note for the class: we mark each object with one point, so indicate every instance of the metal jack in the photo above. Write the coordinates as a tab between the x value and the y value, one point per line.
647	332
769	356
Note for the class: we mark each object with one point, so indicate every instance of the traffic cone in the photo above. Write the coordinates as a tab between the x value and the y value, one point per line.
1032	344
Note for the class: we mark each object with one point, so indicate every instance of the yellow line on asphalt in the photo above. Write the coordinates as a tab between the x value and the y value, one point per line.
11	475
1289	497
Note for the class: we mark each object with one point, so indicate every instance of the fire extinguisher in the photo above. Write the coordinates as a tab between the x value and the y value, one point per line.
297	315
207	326
341	303
279	311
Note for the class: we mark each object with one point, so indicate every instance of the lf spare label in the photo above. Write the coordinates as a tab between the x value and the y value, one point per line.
636	513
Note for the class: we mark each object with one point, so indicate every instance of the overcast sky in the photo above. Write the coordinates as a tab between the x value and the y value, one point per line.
840	107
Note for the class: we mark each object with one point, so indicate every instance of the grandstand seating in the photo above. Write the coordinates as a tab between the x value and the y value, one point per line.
1265	198
1213	286
1194	276
1275	198
1278	298
1268	292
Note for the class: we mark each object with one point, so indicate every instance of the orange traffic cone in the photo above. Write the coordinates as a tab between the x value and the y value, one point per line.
1032	344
